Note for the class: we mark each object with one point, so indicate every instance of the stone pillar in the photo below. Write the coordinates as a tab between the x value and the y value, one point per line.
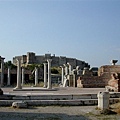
66	69
1	92
49	74
2	71
23	76
70	68
103	100
8	77
45	75
62	81
18	74
36	76
86	71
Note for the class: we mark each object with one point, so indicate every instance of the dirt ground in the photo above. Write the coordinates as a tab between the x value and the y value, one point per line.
55	113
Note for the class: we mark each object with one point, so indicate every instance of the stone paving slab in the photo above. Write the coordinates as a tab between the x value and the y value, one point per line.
58	90
35	89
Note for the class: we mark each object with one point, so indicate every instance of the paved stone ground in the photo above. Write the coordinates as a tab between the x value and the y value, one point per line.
67	90
55	112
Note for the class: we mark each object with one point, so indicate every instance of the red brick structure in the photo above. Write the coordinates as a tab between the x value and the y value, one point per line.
104	75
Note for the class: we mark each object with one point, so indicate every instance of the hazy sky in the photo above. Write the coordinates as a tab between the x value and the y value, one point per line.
88	30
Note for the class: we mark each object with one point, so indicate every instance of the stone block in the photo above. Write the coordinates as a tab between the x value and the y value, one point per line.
89	102
53	97
103	100
82	96
93	96
20	98
6	102
20	104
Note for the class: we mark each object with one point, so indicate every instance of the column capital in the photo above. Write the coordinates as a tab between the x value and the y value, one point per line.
44	63
68	63
65	65
18	59
2	59
36	67
49	60
23	67
62	66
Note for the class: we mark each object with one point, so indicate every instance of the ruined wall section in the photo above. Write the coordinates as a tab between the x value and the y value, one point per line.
90	82
104	76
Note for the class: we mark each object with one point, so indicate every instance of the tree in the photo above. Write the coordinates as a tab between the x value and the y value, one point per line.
9	64
55	70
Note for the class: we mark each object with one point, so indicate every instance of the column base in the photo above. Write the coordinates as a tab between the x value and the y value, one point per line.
44	86
17	88
1	92
49	88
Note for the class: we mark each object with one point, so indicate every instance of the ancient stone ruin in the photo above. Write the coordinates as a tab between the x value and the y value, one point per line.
114	83
87	79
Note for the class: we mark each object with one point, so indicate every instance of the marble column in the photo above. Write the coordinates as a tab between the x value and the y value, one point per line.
66	69
36	76
49	74
8	76
23	76
18	74
1	92
2	71
62	81
70	68
45	75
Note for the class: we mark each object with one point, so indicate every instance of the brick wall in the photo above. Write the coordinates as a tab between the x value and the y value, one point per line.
104	75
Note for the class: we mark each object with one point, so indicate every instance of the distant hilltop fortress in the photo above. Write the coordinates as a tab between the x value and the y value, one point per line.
32	58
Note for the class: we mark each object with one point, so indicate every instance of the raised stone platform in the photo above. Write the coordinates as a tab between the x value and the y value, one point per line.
61	96
38	100
34	89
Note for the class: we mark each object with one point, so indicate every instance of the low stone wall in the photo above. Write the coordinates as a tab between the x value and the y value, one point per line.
90	82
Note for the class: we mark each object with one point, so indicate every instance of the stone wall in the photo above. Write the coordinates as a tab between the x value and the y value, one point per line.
109	69
90	82
104	76
31	58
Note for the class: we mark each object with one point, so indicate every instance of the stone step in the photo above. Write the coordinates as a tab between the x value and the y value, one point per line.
54	96
76	102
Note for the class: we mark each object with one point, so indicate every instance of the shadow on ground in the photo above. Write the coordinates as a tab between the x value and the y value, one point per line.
39	116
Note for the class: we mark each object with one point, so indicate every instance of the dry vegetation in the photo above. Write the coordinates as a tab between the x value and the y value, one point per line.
116	107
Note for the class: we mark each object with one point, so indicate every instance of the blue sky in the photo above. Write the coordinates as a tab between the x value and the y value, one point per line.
88	30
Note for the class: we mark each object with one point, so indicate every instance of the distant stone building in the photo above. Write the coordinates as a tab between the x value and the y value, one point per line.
32	58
